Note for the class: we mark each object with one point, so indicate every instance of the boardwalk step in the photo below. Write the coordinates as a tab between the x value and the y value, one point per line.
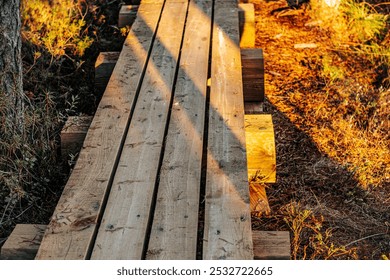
127	15
73	134
260	145
246	15
261	160
23	243
130	184
271	245
104	66
253	75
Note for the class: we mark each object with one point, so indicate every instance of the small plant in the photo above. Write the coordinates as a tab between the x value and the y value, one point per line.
353	26
331	71
54	40
309	239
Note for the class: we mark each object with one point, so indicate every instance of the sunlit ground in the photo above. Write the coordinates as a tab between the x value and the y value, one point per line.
331	117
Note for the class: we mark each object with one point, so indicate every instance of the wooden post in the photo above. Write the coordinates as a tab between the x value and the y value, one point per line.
73	134
253	74
246	16
127	15
104	66
23	243
271	245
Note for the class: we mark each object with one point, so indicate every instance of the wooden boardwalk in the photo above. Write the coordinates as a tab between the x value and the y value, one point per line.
163	171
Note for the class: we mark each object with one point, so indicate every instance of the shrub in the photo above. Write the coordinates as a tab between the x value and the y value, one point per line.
53	43
354	27
56	25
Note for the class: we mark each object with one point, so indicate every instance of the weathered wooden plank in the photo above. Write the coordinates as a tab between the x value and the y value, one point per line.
23	243
247	25
73	134
175	228
71	231
271	245
227	232
104	65
253	75
123	230
260	148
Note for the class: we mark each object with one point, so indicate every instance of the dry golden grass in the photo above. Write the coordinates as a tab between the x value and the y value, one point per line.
330	94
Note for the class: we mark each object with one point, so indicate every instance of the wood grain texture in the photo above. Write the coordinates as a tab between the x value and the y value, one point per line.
227	232
104	65
175	226
73	134
253	75
123	230
260	148
71	231
258	199
247	25
23	243
271	245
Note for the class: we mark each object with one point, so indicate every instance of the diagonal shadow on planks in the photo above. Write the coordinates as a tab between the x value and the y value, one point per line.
77	219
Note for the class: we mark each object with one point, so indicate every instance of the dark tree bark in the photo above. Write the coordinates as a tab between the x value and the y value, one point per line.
11	84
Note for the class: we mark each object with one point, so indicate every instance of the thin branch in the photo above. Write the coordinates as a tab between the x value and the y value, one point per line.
364	238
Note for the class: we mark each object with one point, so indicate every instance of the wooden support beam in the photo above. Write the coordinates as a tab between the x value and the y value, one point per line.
253	74
246	14
104	66
271	245
127	15
260	147
73	134
23	243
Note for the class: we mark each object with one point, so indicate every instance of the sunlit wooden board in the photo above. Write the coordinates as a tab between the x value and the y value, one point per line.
260	146
175	225
227	233
72	229
124	228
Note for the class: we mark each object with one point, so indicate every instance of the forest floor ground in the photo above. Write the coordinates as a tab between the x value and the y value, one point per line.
318	197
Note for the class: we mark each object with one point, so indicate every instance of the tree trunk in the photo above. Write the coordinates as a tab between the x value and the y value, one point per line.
11	84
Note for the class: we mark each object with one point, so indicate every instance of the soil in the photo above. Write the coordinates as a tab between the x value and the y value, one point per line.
356	218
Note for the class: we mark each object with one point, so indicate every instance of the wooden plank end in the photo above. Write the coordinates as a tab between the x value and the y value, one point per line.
253	74
73	134
260	146
127	15
271	245
104	66
247	25
23	243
